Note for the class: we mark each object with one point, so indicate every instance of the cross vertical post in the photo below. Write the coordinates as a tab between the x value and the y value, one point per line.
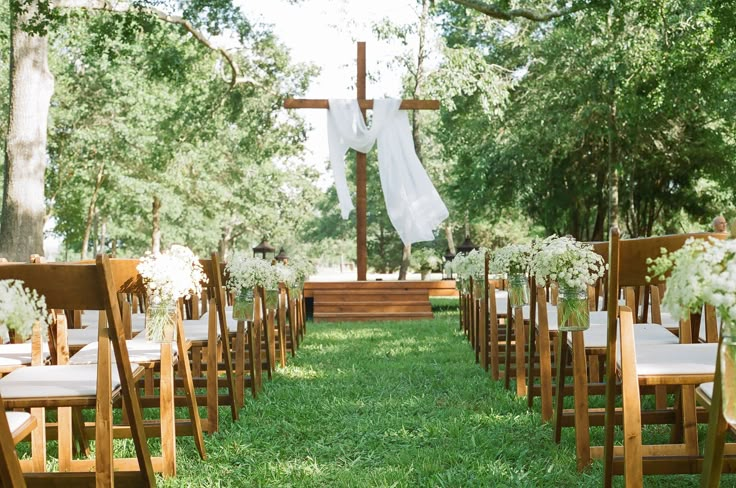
361	179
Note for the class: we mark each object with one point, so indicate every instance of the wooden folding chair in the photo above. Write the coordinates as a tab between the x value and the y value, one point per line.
83	287
718	454
14	427
677	367
210	344
156	359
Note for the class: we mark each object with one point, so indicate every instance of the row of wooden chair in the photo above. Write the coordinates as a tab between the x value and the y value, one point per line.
658	358
108	368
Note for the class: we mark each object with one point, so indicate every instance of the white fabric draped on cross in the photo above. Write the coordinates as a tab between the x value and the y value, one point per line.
413	204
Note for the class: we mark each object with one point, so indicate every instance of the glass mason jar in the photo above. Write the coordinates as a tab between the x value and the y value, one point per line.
243	305
572	308
728	371
295	292
272	299
518	289
477	288
161	321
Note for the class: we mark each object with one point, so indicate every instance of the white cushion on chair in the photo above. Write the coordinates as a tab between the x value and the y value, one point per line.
139	351
197	331
81	337
675	359
597	336
232	324
54	381
16	420
19	354
137	322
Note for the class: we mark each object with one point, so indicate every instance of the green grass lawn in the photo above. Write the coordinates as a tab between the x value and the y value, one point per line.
388	404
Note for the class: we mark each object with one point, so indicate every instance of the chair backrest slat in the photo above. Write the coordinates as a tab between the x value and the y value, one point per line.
65	286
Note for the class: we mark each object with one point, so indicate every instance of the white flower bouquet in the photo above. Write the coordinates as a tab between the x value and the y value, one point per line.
573	266
704	271
20	308
461	273
246	273
303	269
168	276
513	260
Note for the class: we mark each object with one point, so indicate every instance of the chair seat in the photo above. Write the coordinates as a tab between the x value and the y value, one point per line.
17	421
551	315
49	382
197	331
139	351
675	360
597	336
19	354
232	324
81	337
138	322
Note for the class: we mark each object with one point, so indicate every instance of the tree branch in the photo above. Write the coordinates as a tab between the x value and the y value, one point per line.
123	7
496	12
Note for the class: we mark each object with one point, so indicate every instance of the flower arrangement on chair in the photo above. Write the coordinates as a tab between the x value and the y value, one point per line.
573	266
167	277
513	261
303	269
704	271
244	275
21	309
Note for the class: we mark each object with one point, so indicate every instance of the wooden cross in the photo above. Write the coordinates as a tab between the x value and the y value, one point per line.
360	158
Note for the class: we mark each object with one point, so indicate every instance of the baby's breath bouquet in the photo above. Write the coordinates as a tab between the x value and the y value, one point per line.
704	271
168	276
461	273
513	260
475	266
303	269
573	266
246	273
20	308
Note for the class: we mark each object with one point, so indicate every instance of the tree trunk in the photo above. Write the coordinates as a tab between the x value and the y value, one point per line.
103	232
31	87
450	239
615	24
92	211
225	238
156	220
405	261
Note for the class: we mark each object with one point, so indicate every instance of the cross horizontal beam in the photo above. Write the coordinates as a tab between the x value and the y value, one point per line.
364	104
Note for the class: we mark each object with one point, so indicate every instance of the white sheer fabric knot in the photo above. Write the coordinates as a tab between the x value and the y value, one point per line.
413	204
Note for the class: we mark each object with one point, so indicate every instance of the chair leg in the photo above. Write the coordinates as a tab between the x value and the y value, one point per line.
65	438
186	375
240	364
507	354
582	422
519	346
38	440
81	445
561	362
716	439
545	376
530	363
166	399
213	393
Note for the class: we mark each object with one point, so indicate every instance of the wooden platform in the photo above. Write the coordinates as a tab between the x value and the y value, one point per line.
358	301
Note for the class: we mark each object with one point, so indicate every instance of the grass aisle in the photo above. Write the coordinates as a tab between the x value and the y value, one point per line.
386	404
